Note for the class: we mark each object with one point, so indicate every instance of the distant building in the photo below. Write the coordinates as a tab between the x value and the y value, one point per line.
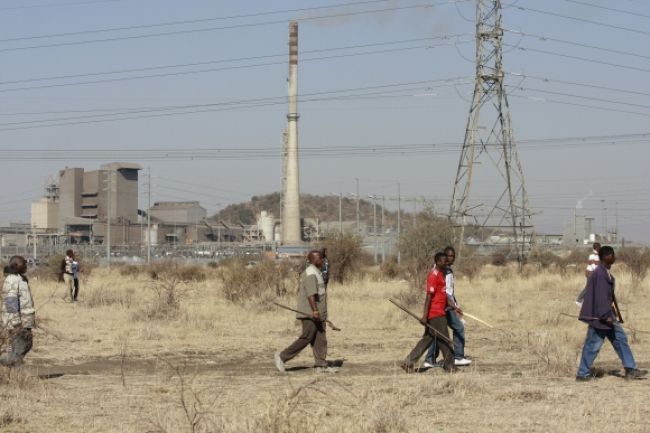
78	206
179	212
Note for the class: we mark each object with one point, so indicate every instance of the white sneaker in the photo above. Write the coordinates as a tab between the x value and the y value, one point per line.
326	369
429	365
278	363
462	362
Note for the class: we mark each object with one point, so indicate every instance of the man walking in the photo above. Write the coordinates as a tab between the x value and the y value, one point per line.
600	311
17	314
67	270
454	318
312	307
434	316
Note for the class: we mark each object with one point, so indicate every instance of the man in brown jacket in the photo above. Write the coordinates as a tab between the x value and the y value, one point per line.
312	301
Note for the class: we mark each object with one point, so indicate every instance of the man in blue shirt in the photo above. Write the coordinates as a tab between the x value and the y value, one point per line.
600	311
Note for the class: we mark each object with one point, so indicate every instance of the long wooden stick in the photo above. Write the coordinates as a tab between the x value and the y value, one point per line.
466	314
437	333
629	328
329	322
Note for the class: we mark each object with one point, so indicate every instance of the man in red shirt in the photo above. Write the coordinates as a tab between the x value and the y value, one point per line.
436	317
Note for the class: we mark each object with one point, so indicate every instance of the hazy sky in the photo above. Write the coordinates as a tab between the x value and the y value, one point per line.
181	87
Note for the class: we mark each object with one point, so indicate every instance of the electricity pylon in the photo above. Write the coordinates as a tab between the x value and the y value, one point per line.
489	140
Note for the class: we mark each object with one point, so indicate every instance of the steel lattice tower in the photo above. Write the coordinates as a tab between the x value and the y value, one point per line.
490	144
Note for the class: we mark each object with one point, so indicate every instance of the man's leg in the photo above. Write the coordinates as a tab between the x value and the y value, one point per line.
76	289
69	284
621	346
319	346
440	325
419	349
593	342
459	334
305	338
432	354
20	344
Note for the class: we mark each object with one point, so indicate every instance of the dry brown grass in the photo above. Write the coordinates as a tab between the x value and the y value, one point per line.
208	367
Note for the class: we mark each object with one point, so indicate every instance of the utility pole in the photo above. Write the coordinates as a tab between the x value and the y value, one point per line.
374	223
383	230
340	213
358	207
399	223
148	215
109	176
509	211
602	211
415	212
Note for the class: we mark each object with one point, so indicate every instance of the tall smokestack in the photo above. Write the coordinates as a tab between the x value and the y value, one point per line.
291	214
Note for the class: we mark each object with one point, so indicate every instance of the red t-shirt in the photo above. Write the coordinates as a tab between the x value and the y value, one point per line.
436	288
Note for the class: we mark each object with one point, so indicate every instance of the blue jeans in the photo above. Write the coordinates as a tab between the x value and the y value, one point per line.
594	341
459	338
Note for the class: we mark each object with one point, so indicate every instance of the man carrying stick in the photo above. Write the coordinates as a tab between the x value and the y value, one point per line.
600	311
312	297
435	317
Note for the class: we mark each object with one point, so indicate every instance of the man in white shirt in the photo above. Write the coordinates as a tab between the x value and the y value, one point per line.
592	263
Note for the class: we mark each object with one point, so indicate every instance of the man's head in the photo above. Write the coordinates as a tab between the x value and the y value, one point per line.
440	259
596	246
17	265
450	253
315	258
606	255
69	253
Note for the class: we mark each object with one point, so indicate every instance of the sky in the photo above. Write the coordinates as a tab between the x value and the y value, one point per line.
195	90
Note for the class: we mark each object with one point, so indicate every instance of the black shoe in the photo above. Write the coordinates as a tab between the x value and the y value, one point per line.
596	372
408	368
635	373
585	378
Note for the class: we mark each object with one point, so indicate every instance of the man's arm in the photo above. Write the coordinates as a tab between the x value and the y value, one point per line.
602	298
12	304
311	290
427	306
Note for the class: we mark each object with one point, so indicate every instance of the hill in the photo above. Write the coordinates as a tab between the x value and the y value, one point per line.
325	208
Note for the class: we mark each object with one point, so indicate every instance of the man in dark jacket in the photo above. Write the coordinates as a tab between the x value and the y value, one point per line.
600	311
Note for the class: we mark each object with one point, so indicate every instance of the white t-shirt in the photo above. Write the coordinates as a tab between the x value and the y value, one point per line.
449	286
594	260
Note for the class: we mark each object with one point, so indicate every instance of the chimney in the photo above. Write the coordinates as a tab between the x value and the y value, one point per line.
291	233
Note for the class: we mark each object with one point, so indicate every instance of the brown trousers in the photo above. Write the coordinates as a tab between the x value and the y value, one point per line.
313	334
440	325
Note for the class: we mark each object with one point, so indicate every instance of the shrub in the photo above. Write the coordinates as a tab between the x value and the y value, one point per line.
101	297
242	281
637	261
169	290
418	245
344	254
499	258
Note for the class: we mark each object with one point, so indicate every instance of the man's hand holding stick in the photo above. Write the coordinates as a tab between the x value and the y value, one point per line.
315	316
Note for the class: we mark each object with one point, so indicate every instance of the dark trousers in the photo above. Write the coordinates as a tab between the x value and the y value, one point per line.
313	333
440	325
459	338
76	289
20	342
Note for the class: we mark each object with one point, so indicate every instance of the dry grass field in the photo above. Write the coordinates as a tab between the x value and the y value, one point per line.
118	361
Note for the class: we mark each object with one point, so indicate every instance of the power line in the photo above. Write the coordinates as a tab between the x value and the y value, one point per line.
274	152
229	27
544	38
191	21
56	5
622	11
584	59
577	104
584	20
235	67
229	105
590	98
580	84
